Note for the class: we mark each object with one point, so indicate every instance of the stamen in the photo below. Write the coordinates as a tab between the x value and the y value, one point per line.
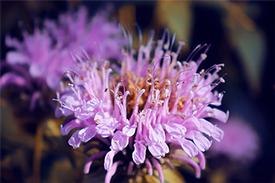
140	93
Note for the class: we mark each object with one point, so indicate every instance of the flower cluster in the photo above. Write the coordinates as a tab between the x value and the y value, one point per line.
33	69
155	109
47	52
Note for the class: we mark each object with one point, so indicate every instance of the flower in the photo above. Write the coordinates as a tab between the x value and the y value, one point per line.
36	65
155	109
240	143
47	52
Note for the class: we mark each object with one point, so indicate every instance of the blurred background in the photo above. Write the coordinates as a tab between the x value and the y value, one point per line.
241	34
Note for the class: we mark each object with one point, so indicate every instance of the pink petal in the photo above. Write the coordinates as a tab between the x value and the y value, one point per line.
104	130
111	172
158	149
200	140
189	148
149	167
106	124
129	130
9	78
65	129
74	140
119	141
220	115
189	161
91	159
87	133
108	161
175	130
139	153
211	130
159	170
14	57
87	167
202	161
156	134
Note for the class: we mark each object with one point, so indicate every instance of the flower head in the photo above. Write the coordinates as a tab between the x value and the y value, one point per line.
33	69
154	109
240	143
47	52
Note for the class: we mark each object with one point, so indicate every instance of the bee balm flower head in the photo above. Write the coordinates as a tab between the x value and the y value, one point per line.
47	52
154	110
36	64
245	149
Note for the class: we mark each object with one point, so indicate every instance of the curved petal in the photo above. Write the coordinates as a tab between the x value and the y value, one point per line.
189	161
92	158
129	130
175	130
87	133
139	153
200	140
12	79
14	57
65	129
220	115
74	140
159	170
210	129
158	149
189	148
108	161
111	172
119	141
201	159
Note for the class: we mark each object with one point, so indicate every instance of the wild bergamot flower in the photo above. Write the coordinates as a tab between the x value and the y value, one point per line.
34	66
151	110
47	51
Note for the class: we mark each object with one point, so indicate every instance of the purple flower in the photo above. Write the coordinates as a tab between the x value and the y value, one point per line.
154	108
47	52
33	69
240	143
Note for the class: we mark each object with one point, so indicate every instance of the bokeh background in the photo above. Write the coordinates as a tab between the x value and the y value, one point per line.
241	34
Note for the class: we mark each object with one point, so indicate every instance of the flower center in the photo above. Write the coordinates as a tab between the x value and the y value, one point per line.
156	91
